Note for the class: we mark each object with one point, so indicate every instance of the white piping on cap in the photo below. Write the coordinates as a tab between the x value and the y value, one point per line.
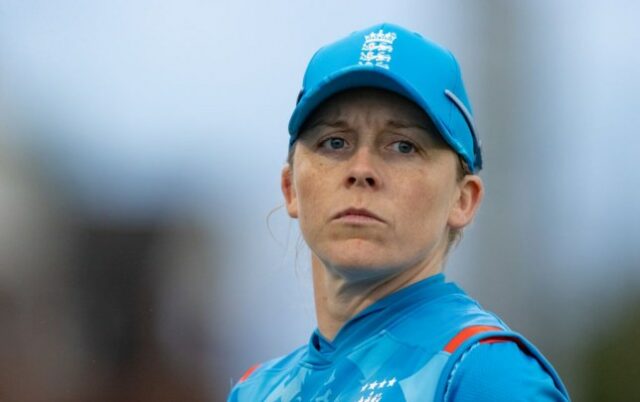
467	116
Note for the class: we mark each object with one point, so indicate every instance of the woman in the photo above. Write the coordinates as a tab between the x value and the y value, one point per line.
382	176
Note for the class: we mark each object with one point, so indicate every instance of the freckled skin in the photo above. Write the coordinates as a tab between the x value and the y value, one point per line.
375	150
412	193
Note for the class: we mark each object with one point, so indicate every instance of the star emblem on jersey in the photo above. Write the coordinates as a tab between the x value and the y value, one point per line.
377	48
373	390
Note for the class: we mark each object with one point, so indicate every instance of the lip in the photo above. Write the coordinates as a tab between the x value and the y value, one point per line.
357	215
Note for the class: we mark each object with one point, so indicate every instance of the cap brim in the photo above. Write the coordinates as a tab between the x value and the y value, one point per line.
354	77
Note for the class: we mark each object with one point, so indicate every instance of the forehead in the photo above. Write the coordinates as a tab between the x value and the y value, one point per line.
370	104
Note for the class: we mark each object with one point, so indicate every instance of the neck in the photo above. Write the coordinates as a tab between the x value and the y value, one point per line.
338	299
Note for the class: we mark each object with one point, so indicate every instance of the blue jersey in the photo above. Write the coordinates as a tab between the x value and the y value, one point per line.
427	342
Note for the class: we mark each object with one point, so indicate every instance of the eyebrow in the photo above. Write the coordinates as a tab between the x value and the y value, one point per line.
341	124
405	124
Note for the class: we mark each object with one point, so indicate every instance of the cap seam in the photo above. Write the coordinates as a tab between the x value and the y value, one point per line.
453	85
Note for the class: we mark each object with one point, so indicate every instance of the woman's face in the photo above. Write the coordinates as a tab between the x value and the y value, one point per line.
374	186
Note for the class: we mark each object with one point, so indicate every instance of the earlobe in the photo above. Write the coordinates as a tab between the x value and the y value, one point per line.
469	197
289	191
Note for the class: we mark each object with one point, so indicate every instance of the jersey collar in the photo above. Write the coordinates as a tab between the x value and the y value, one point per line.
371	321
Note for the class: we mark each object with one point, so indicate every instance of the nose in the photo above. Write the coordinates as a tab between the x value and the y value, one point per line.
363	170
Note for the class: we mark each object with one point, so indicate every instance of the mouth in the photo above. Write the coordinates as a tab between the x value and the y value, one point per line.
357	215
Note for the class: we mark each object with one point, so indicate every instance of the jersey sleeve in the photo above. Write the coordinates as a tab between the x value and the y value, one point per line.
500	372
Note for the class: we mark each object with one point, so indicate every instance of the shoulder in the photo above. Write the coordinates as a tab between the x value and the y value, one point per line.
435	323
274	365
503	371
263	373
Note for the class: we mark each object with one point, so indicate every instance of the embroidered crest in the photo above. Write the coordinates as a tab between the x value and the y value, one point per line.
377	49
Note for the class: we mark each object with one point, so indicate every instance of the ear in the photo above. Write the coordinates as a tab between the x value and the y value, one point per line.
289	191
469	195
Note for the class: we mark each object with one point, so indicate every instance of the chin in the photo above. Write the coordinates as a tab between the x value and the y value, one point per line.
362	258
359	261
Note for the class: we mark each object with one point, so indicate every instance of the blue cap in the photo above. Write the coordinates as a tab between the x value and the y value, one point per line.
387	56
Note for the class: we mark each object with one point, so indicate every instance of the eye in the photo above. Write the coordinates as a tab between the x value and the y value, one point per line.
333	143
403	147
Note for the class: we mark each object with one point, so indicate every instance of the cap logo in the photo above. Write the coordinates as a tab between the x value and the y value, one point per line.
377	48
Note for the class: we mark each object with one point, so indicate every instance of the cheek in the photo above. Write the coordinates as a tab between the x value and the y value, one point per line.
424	210
306	182
312	195
314	178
